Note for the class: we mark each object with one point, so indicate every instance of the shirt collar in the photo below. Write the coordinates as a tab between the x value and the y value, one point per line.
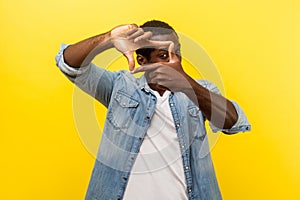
144	85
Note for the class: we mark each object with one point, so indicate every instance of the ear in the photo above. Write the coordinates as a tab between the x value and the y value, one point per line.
141	59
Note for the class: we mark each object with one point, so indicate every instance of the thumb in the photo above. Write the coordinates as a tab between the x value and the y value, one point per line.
172	55
130	59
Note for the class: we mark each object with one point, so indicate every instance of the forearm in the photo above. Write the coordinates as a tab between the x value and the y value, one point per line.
83	52
219	110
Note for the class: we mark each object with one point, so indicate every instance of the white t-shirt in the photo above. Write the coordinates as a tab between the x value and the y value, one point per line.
158	170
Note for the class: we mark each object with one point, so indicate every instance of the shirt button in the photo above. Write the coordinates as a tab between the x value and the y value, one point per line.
187	167
172	104
182	146
190	190
177	125
123	104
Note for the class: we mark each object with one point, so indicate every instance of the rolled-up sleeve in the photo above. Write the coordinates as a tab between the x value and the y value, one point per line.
241	125
95	81
65	68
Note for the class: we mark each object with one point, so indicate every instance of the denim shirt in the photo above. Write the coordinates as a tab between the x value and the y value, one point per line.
130	105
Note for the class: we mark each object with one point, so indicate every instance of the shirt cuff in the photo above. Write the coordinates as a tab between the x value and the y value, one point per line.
241	125
64	67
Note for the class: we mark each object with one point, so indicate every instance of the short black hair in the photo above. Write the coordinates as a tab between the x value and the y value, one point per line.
157	28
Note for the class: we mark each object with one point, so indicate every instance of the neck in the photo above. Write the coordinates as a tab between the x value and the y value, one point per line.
159	88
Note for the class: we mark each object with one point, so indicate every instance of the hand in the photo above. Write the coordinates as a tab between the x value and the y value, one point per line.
128	38
166	75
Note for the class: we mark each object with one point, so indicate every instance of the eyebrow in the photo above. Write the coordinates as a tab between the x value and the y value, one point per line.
177	47
163	48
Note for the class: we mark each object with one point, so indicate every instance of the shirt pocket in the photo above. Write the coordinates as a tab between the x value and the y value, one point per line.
122	110
196	123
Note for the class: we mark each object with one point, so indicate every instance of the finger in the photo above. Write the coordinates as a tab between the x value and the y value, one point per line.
131	31
172	55
130	59
124	29
132	28
138	32
144	36
156	43
152	75
145	68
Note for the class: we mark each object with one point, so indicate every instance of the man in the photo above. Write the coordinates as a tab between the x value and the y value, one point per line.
154	127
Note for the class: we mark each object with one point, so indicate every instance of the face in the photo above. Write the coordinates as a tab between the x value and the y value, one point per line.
161	54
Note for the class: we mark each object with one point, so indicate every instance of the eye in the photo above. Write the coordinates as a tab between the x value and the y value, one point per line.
163	55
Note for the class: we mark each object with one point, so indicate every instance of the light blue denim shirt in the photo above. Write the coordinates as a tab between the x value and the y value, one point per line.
131	104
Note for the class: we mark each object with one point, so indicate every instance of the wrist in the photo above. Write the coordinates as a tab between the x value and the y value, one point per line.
189	88
104	41
109	39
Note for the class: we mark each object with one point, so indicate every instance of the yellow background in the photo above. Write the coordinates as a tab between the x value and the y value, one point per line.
255	45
